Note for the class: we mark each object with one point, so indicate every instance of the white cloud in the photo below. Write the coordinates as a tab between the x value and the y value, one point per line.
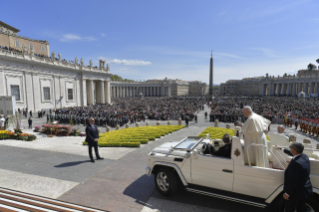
126	62
174	51
267	52
228	55
74	37
103	35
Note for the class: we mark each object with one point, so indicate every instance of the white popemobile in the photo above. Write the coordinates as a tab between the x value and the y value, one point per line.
178	164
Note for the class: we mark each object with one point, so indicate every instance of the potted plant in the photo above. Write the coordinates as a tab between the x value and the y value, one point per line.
36	129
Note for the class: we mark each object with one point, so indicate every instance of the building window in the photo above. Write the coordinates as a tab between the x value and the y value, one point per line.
31	45
15	91
17	43
70	94
46	93
43	48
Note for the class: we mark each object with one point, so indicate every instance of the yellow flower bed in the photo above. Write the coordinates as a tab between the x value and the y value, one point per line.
4	134
217	132
133	137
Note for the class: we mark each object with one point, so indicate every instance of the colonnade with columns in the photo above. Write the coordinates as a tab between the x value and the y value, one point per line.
118	91
97	91
289	88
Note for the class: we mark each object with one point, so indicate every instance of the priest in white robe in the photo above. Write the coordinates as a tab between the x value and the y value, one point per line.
253	131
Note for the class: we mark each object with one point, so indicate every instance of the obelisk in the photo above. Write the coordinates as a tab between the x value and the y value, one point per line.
211	72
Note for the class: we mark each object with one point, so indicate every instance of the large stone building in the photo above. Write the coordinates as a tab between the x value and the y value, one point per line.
40	80
286	85
9	38
166	87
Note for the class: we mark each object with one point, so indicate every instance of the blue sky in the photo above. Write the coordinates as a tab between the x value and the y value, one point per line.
173	38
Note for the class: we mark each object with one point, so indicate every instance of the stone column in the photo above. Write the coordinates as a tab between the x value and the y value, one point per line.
90	92
304	87
84	93
107	97
311	88
102	91
316	87
294	89
273	89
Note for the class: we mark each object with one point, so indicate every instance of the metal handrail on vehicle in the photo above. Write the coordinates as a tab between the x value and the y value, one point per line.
261	145
281	155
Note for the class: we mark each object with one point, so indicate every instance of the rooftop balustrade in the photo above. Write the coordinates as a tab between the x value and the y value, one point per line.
50	61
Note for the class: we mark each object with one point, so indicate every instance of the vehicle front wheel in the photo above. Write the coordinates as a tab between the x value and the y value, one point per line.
312	205
166	181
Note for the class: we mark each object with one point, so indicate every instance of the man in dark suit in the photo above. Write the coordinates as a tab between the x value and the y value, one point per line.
92	137
297	186
30	123
224	151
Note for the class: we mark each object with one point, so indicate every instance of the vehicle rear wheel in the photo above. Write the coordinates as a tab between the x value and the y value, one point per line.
312	205
166	181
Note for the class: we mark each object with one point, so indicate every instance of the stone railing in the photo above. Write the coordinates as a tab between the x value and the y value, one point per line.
23	37
135	83
49	61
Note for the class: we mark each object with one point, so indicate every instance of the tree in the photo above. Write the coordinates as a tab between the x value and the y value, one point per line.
317	60
118	78
311	66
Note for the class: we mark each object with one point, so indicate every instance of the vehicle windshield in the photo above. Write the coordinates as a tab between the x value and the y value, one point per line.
188	143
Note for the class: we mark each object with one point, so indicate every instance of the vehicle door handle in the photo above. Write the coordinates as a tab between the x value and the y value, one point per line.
226	170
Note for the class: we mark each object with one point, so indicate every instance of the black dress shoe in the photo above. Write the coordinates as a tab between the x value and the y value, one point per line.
93	161
99	158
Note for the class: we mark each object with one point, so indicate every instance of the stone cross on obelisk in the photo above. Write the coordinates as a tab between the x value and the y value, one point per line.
211	72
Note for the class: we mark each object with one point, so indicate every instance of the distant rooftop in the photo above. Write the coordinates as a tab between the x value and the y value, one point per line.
7	26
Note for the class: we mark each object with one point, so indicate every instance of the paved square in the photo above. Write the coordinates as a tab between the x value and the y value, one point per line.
60	168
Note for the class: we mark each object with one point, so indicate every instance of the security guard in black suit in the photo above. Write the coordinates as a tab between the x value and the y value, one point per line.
92	137
297	185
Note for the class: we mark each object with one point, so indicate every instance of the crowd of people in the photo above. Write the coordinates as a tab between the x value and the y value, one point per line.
123	111
287	108
11	49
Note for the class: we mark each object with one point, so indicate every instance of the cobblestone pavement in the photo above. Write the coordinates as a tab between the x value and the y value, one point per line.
117	183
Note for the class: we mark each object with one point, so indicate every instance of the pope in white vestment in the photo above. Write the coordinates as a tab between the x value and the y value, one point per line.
253	131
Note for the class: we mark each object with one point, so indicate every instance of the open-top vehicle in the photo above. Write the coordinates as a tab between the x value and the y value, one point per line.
184	163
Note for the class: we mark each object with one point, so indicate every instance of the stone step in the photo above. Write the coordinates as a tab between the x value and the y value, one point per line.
11	200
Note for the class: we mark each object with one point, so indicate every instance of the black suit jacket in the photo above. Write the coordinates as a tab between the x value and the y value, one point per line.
224	151
297	182
91	133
